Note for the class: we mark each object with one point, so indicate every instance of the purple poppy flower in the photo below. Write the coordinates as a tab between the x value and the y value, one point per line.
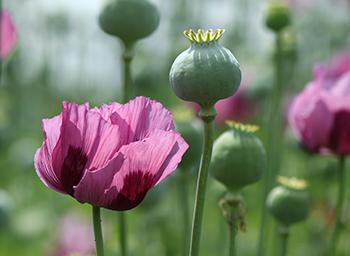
320	114
8	34
109	156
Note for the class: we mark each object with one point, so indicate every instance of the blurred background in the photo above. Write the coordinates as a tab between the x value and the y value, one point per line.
62	54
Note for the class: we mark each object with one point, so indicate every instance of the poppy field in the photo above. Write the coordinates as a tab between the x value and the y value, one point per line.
175	128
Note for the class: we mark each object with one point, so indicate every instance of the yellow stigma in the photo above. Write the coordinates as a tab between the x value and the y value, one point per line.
292	183
202	36
243	127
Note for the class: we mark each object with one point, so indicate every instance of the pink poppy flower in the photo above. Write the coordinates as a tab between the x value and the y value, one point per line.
8	34
75	237
109	156
320	114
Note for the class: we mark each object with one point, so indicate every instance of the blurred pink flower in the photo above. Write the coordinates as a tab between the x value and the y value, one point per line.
75	237
238	107
109	156
8	34
320	114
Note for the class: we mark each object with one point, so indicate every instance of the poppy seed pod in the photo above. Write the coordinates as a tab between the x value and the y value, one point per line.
206	72
130	20
289	202
238	157
277	16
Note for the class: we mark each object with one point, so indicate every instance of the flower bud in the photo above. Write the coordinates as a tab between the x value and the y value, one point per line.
206	72
289	202
130	20
277	16
238	157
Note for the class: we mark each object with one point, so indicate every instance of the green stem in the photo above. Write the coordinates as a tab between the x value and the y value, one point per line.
232	234
284	234
97	230
207	116
184	207
340	205
274	141
122	234
128	56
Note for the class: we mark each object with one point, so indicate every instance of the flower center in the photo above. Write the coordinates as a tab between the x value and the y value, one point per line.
249	128
202	36
292	183
73	168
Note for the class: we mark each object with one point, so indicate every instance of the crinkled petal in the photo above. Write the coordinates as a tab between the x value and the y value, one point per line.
43	168
68	157
76	114
146	163
52	130
102	139
338	96
302	106
317	127
91	189
145	116
106	110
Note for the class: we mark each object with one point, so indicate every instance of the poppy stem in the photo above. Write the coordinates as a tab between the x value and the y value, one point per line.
207	115
122	234
274	140
340	205
233	211
184	207
284	234
128	56
232	237
96	216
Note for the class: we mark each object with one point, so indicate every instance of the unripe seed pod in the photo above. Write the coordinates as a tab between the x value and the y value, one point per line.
239	158
130	20
277	16
206	72
289	202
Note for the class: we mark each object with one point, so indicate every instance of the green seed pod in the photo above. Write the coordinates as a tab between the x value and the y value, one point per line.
206	72
130	20
238	157
289	202
277	16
